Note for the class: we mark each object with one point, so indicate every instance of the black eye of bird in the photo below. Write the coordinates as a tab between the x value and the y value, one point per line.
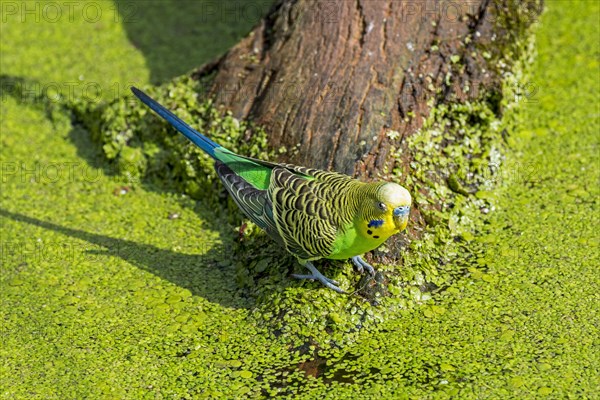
381	206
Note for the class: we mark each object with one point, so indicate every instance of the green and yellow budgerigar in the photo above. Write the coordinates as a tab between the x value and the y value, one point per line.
312	213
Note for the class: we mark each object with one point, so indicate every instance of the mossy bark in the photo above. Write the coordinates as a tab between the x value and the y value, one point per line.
329	80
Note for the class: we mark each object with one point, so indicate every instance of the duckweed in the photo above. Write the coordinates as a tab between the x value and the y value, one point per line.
104	296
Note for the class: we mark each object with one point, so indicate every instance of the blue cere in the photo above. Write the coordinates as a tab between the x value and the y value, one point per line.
401	211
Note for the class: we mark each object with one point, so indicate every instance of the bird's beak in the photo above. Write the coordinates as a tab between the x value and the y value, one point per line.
401	222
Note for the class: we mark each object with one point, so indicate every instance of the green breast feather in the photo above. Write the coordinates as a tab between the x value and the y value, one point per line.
350	244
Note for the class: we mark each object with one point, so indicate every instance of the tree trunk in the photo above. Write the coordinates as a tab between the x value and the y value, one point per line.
329	79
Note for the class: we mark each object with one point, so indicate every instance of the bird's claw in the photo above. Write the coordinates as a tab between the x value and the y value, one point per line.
361	265
316	275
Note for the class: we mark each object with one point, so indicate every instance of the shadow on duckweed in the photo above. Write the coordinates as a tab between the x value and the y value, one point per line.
203	275
177	36
211	276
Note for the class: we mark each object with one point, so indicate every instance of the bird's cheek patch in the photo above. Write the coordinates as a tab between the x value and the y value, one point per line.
375	223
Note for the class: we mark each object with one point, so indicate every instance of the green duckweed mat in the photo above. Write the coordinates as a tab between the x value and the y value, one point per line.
113	289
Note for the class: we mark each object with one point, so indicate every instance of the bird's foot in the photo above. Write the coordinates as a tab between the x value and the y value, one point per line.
361	265
316	275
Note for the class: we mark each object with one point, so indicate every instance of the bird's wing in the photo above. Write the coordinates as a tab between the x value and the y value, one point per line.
306	208
253	202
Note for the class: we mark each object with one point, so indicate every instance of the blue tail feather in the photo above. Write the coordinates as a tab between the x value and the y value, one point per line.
196	137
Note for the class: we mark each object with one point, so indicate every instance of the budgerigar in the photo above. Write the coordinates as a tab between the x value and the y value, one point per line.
312	213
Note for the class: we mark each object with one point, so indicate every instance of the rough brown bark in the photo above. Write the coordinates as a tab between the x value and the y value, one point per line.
328	79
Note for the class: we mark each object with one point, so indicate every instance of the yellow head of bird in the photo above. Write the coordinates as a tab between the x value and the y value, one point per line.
394	200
